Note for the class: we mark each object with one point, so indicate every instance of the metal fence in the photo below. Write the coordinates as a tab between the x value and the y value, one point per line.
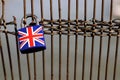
78	49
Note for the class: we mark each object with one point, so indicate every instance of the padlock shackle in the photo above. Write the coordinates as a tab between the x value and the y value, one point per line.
23	20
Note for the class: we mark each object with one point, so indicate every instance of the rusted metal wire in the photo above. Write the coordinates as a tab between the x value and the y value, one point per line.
9	52
116	57
101	42
43	57
8	47
92	47
84	43
117	44
7	41
28	66
10	58
1	50
52	41
34	60
32	10
24	10
68	43
109	41
43	52
77	27
27	55
89	27
76	41
34	55
88	23
60	39
18	53
3	62
3	8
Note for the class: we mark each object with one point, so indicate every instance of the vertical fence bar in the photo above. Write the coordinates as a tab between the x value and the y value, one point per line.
28	66
52	45
1	50
9	52
92	56
34	55
60	55
117	46
109	40
43	52
84	43
60	39
43	55
76	41
111	10
100	49
101	41
24	8
3	62
34	60
18	54
68	42
92	47
32	10
3	8
41	9
7	40
116	57
27	55
84	57
107	59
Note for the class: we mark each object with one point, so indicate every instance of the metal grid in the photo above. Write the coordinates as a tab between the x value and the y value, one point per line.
86	28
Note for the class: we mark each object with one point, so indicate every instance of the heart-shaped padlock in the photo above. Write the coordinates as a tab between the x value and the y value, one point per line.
31	38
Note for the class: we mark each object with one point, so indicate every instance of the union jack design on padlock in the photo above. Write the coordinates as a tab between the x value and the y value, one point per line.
31	39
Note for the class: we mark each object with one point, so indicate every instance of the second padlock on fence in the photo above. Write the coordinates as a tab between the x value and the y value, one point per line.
31	37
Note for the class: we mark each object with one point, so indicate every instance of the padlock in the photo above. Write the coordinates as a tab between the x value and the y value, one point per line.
31	38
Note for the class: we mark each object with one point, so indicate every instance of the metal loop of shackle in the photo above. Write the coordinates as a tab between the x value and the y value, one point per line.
24	23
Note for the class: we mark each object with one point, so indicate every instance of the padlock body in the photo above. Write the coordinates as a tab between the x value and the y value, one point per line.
31	39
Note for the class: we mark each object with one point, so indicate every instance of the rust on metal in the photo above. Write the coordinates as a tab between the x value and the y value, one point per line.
70	27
